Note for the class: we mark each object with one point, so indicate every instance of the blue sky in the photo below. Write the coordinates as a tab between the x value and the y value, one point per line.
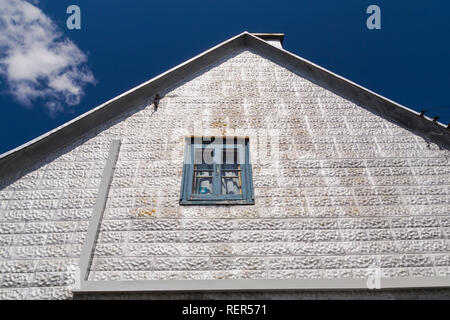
124	43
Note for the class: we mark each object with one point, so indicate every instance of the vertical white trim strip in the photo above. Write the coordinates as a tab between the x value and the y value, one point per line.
97	214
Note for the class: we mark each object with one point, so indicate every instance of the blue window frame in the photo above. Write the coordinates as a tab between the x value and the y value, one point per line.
217	170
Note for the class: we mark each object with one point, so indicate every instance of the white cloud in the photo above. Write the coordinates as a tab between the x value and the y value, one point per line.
36	61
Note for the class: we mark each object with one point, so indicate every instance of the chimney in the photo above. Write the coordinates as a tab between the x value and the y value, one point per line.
275	39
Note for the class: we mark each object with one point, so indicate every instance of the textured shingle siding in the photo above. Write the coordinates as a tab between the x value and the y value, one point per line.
339	191
44	215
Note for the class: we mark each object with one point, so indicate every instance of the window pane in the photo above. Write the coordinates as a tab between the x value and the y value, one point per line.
231	185
231	172
231	182
203	171
203	182
204	158
230	158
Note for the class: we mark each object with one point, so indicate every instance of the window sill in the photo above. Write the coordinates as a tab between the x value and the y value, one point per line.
216	202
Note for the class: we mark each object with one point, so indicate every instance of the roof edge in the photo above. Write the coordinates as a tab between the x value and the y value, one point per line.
70	122
405	116
73	129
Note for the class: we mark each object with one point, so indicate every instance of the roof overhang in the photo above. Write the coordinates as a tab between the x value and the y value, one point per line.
38	148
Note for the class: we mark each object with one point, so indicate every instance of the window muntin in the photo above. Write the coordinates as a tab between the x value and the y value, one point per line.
217	170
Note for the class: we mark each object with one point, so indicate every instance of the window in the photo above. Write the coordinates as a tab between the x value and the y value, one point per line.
217	171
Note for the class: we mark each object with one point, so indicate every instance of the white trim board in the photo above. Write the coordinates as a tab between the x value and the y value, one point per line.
257	285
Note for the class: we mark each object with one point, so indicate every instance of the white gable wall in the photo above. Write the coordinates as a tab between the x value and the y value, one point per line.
338	191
